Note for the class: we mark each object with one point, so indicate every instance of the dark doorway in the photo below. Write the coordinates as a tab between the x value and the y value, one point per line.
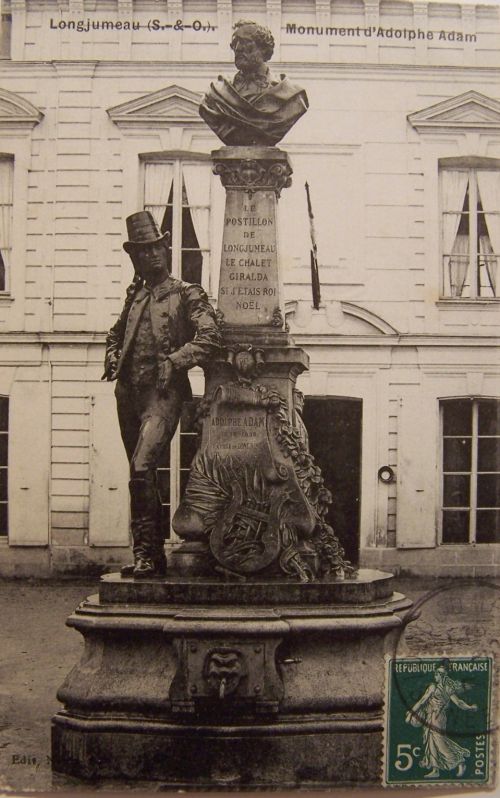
334	428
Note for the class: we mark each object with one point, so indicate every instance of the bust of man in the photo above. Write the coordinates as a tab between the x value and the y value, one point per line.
255	107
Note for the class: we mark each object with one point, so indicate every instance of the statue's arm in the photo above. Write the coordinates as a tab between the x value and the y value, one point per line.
114	339
207	338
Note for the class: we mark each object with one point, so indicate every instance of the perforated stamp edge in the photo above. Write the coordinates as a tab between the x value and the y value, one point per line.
490	733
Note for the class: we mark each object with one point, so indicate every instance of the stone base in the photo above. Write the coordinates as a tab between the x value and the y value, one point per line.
319	755
202	683
363	587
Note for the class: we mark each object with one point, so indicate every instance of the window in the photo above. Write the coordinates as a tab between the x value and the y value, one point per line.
177	193
470	196
4	427
471	471
5	31
6	175
172	481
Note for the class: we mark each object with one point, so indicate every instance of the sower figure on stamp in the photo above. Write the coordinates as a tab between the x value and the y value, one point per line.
166	327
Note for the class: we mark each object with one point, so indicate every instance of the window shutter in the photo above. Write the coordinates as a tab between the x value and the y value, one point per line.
418	436
109	503
29	457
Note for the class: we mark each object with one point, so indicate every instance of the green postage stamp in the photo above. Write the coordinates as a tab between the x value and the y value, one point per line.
438	720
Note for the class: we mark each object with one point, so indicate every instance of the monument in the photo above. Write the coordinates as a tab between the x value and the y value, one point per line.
257	659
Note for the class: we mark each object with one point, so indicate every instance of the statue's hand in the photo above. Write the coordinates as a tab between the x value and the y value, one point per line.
110	367
165	372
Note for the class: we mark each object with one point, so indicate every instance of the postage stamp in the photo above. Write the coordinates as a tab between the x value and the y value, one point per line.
438	720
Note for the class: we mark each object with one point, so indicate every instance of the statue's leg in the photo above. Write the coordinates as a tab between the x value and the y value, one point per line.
130	427
149	556
129	417
159	419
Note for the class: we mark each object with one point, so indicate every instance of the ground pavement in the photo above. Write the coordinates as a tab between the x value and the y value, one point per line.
37	650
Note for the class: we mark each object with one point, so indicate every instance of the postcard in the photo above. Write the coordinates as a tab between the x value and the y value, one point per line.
249	395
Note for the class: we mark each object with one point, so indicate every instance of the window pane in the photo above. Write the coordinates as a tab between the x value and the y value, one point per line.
184	476
488	526
3	520
489	417
457	417
3	484
165	521
3	449
457	454
166	458
167	218
192	259
163	482
5	35
488	490
487	262
488	454
189	414
189	445
4	413
456	491
455	526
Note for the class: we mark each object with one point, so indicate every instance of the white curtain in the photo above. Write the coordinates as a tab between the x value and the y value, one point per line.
459	264
6	190
157	185
490	262
217	207
453	187
6	174
197	182
489	192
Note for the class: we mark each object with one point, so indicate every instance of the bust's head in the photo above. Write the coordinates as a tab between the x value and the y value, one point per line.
252	45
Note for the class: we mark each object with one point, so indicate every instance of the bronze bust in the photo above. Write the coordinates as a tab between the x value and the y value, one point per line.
255	108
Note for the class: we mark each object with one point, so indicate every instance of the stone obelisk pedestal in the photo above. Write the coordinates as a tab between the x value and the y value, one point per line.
250	291
254	496
258	661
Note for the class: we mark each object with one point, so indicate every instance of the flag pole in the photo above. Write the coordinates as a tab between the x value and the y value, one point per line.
315	284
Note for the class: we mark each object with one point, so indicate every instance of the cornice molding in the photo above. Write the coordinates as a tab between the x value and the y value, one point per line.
468	111
325	339
297	70
333	314
173	105
17	112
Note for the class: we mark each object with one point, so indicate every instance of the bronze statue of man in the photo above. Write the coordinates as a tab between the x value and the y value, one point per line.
255	108
166	327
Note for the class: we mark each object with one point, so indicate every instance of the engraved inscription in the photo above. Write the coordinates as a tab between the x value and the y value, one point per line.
248	290
241	431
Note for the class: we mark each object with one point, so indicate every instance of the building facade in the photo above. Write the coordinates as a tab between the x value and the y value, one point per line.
401	150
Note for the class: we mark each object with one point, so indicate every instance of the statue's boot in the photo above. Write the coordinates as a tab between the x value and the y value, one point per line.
149	554
159	557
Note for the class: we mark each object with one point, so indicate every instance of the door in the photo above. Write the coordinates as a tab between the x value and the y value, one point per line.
334	428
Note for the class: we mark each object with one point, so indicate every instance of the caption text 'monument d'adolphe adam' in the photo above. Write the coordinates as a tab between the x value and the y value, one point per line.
291	28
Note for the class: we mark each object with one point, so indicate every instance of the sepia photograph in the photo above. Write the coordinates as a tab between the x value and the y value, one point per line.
249	396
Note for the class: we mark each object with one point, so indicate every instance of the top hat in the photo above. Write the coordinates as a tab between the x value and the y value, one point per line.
142	229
